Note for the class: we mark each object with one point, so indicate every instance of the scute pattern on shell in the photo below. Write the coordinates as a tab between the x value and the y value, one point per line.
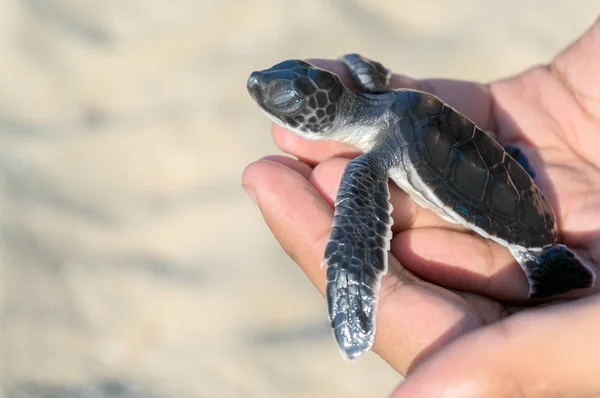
472	174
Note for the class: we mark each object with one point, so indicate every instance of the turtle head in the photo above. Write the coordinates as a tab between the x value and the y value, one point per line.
299	96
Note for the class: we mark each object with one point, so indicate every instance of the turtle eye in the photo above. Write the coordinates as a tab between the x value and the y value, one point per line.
284	98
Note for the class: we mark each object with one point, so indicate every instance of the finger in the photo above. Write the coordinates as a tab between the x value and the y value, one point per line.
300	167
310	152
544	352
301	220
471	99
461	261
469	262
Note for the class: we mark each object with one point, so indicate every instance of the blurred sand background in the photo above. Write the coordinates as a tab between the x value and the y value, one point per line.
133	265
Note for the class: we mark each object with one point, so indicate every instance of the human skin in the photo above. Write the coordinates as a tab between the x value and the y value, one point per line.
442	317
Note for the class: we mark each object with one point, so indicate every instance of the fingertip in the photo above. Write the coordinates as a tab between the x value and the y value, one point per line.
267	174
255	172
251	173
294	164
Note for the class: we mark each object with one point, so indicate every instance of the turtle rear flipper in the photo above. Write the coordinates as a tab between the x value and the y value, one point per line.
371	76
554	270
356	254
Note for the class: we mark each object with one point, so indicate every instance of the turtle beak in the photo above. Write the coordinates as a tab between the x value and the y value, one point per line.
253	79
253	86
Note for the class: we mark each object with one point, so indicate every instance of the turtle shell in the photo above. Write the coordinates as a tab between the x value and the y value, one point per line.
471	173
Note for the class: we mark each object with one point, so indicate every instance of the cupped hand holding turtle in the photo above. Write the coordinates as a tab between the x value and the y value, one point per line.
441	316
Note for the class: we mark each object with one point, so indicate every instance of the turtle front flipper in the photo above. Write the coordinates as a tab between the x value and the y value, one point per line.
369	75
356	254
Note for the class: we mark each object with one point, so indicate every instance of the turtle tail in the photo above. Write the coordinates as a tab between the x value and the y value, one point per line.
554	270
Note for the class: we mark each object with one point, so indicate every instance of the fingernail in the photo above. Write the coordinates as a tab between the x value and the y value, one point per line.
250	191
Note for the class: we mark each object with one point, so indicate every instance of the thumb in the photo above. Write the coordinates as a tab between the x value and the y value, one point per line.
544	352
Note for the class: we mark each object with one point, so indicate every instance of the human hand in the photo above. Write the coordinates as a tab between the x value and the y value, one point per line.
453	336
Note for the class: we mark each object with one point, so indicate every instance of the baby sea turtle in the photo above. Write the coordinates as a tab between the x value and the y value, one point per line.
437	156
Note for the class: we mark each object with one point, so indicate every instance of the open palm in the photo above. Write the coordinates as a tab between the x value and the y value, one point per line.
442	315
